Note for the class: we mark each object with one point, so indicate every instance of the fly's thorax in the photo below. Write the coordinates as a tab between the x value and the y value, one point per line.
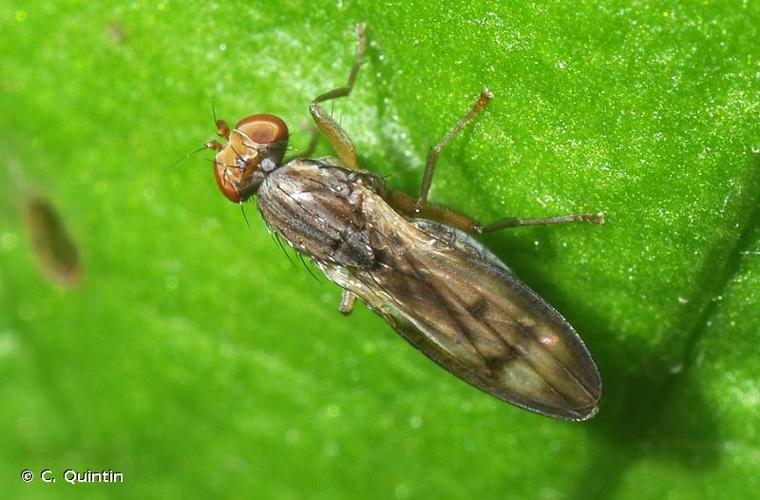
254	149
319	210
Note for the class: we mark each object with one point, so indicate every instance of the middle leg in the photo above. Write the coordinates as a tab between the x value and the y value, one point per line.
435	151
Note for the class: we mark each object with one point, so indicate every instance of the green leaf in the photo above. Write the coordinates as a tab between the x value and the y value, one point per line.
197	360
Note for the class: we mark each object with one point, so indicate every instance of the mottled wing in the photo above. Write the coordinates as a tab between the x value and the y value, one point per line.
436	286
461	306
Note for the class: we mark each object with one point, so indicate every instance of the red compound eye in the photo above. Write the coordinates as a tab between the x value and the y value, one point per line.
227	189
263	128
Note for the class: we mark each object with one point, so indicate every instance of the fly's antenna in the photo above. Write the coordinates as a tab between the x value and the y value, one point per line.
208	145
222	129
188	155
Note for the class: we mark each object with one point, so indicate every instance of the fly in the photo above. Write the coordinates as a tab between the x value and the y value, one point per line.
54	248
414	263
56	251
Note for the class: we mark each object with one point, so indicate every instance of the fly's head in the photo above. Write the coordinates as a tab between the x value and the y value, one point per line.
254	148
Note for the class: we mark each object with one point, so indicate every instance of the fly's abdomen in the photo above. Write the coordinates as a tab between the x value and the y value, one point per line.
317	208
456	302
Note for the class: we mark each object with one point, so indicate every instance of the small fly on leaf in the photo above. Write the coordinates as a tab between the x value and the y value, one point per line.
55	250
414	263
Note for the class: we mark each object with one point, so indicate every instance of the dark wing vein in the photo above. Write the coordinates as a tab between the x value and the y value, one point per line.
495	333
423	289
445	305
451	302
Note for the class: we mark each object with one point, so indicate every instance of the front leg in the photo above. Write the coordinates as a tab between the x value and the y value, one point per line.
338	137
326	123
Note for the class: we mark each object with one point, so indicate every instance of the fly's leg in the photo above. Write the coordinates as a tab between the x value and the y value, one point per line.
338	138
408	206
597	218
421	208
361	43
347	302
435	151
326	123
310	148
